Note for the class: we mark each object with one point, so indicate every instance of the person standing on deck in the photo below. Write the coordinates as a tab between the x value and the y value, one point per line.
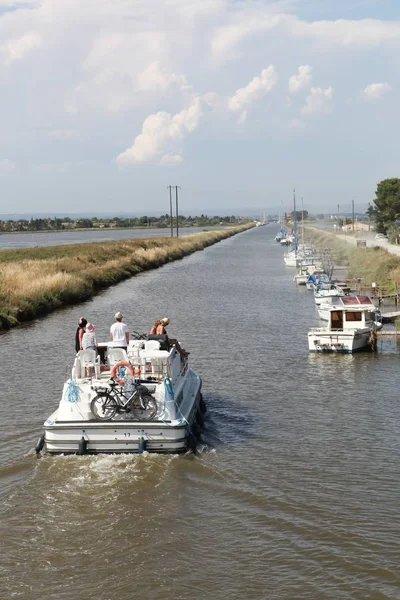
79	333
119	332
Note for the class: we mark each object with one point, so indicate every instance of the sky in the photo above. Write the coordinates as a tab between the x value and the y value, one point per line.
104	103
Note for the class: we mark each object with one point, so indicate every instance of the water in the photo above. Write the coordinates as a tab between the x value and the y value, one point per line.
59	238
295	491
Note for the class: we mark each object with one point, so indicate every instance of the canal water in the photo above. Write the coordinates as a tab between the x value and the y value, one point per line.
59	238
295	491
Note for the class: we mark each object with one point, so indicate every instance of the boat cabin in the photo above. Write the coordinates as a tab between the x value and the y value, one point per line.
348	319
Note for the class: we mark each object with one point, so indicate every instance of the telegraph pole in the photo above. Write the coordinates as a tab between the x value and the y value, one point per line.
352	205
169	187
177	210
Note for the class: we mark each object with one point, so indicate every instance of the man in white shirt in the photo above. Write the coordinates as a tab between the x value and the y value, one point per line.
119	333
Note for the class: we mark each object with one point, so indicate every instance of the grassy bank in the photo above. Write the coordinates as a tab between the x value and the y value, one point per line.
36	281
371	264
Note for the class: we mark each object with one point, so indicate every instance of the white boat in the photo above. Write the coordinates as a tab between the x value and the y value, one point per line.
349	330
307	266
165	417
326	292
317	279
351	302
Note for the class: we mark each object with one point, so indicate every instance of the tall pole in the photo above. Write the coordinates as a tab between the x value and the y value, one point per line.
177	210
294	222
170	210
352	205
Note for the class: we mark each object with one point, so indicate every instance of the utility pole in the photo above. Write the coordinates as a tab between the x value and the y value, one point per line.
352	205
169	187
177	210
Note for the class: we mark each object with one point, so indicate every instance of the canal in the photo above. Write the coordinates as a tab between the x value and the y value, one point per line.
294	493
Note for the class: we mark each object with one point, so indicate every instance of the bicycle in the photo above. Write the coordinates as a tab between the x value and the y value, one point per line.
110	400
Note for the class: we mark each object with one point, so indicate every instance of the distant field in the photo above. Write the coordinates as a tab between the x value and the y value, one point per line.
35	281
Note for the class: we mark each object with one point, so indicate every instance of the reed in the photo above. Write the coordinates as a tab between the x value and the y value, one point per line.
36	281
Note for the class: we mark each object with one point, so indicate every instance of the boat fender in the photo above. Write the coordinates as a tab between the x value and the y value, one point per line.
202	405
142	445
115	368
199	419
82	446
169	388
39	444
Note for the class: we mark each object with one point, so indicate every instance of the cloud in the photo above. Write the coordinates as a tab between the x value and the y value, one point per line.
156	78
259	86
375	91
161	134
6	166
301	80
318	101
245	23
19	48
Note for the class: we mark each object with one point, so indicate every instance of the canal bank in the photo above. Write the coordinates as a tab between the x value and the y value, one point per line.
36	281
375	263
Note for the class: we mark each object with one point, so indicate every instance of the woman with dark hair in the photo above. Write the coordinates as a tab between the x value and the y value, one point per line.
79	333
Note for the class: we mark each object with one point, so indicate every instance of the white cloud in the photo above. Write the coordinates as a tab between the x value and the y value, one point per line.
6	166
342	32
156	78
161	134
18	48
375	91
318	101
259	86
301	80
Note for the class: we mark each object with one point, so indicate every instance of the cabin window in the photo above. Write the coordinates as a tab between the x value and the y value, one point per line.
353	316
337	319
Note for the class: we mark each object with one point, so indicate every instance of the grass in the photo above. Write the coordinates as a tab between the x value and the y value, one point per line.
36	281
371	264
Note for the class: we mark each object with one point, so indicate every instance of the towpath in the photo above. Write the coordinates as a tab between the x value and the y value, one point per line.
371	242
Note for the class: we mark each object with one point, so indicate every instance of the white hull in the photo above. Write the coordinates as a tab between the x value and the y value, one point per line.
290	261
300	279
74	429
326	299
323	340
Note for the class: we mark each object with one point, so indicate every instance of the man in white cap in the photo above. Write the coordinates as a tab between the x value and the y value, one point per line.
119	332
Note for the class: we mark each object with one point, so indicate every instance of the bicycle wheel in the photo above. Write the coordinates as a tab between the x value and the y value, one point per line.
144	407
104	407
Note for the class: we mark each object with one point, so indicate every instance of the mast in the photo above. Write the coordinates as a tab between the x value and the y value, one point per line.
302	222
294	222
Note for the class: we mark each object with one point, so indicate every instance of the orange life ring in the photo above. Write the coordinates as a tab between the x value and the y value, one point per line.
115	368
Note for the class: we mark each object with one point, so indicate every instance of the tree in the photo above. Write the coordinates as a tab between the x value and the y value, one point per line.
386	209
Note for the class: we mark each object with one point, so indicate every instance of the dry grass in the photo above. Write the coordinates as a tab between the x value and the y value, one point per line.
35	281
370	264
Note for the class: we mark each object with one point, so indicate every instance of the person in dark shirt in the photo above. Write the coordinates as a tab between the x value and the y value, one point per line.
79	333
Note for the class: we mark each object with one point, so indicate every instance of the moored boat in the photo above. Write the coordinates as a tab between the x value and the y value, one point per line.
349	330
352	302
326	292
117	401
